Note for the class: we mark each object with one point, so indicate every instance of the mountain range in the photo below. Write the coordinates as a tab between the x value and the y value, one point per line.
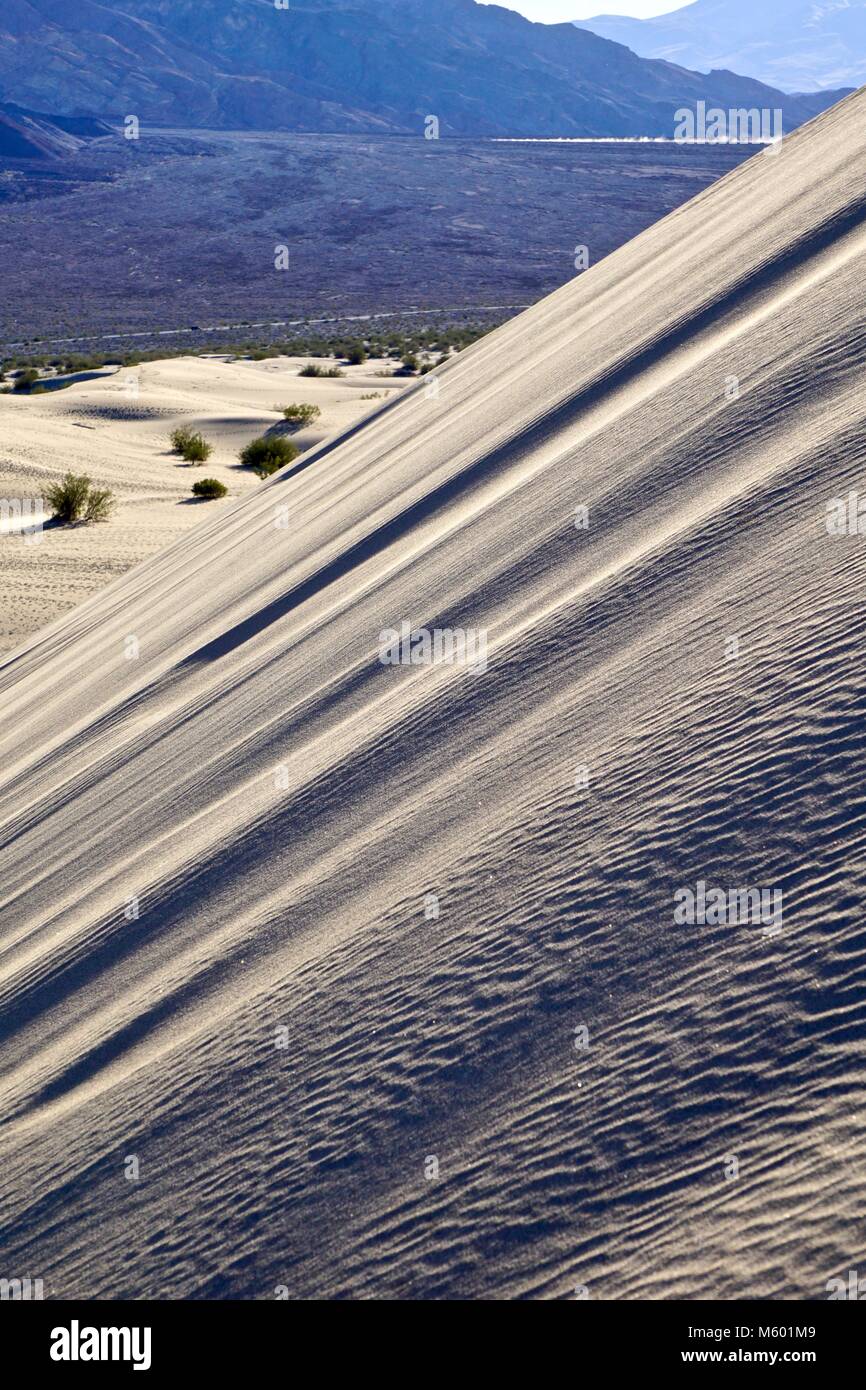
351	66
792	44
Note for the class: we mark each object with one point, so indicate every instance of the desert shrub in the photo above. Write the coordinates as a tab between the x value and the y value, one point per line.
197	449
180	439
265	456
314	370
190	445
99	504
27	379
209	488
410	362
67	498
74	499
86	364
356	354
301	415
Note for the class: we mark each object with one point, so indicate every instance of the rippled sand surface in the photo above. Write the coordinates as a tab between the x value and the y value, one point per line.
374	969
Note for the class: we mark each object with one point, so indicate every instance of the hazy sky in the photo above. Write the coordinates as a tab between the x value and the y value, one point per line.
557	11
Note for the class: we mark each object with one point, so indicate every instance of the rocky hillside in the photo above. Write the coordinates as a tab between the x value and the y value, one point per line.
349	65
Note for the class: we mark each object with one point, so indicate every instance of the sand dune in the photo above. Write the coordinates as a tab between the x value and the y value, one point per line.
115	429
312	937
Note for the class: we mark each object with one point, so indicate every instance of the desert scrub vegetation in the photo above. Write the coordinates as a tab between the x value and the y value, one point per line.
190	445
443	339
209	488
301	415
197	450
75	499
314	370
266	456
179	439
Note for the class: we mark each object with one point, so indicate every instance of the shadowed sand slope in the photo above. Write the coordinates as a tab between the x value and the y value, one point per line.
223	818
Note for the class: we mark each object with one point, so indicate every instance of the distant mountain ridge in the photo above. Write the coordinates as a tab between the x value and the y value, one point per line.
791	44
349	66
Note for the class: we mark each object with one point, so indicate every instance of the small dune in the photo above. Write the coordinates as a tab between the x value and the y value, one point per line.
115	427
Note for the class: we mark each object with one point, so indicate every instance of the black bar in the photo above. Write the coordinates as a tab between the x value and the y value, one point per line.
227	1338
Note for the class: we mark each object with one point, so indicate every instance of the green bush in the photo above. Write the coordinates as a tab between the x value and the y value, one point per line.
25	380
301	415
266	456
180	439
99	504
356	354
190	445
196	449
74	499
314	370
209	488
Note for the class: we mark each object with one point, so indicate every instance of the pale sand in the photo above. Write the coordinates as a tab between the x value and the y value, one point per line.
278	804
115	430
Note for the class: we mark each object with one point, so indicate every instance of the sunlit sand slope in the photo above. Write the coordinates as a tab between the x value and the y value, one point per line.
114	428
373	970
